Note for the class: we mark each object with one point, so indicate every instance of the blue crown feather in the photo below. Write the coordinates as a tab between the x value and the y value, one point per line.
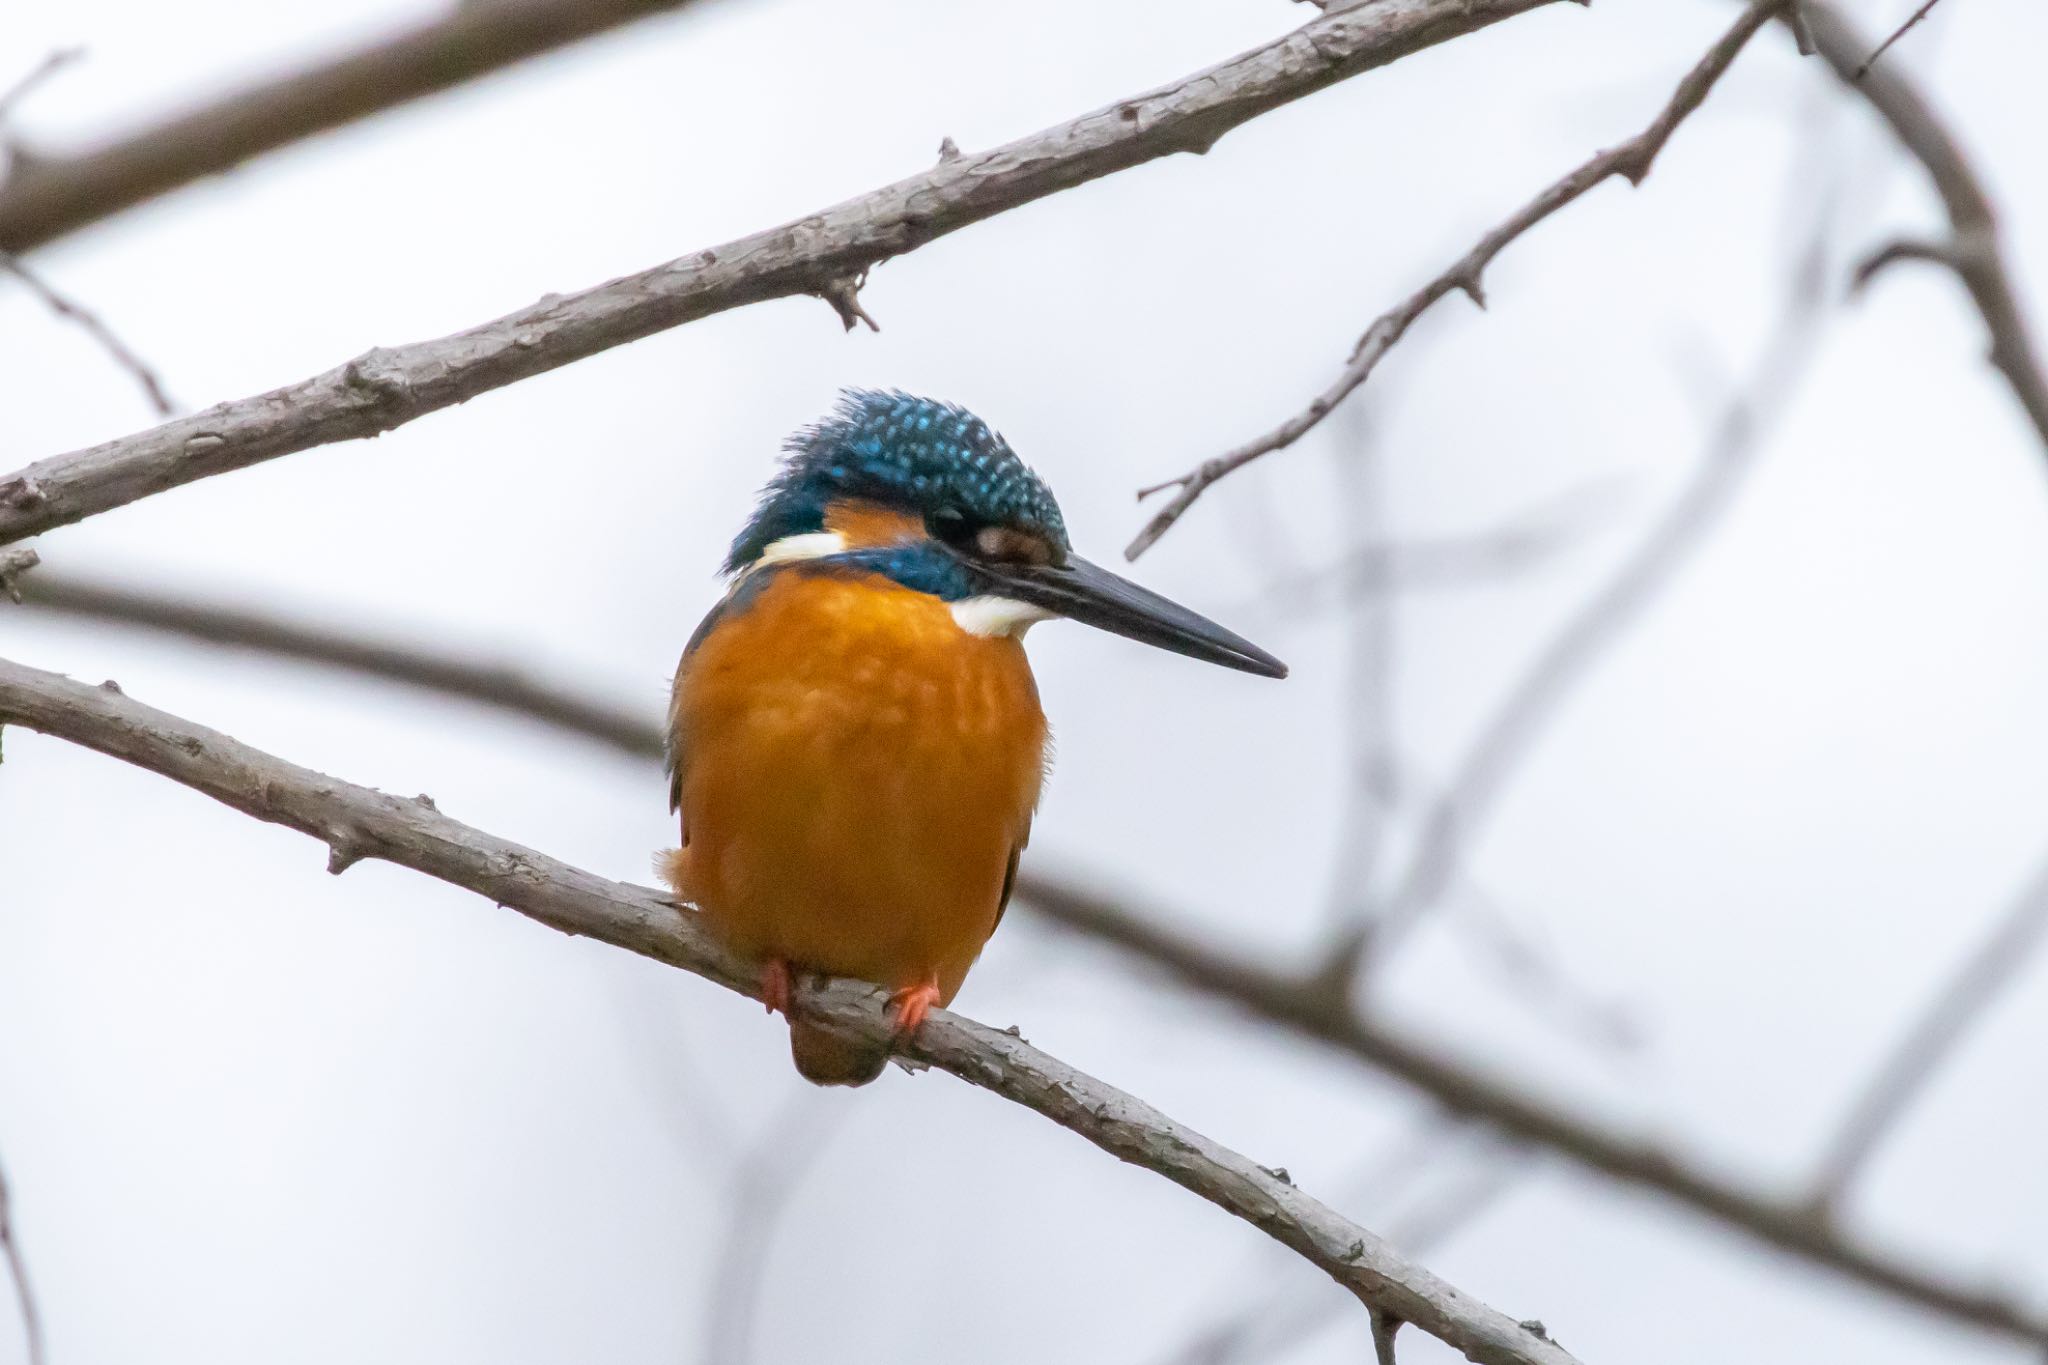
913	453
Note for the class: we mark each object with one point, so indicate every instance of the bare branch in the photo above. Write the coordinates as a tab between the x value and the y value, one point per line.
1933	1037
1630	160
1303	1006
17	1269
1513	728
1974	251
503	686
412	833
383	389
1302	1003
49	66
111	343
47	197
1863	68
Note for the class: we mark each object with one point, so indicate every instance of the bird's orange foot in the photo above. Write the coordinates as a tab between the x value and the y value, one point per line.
910	1004
776	986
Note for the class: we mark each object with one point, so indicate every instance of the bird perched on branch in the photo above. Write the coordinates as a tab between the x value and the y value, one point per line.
855	742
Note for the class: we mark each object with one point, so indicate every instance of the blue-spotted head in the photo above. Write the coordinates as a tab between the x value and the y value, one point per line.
928	495
935	461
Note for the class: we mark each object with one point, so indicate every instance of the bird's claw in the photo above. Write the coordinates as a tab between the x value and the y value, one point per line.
776	986
910	1004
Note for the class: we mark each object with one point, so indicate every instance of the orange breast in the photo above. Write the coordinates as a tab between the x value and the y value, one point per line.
855	774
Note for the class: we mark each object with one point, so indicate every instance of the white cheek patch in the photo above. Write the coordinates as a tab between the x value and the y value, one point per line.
813	545
997	616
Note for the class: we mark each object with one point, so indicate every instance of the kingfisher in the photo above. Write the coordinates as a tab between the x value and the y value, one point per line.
855	745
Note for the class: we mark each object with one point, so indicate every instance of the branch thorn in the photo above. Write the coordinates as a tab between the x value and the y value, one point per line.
343	853
843	293
13	564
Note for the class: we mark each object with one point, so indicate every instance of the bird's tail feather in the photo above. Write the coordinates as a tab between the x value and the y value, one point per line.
827	1058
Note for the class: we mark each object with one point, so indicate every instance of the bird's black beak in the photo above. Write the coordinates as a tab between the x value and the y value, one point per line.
1093	595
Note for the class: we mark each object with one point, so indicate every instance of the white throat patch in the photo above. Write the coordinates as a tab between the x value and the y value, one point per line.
997	616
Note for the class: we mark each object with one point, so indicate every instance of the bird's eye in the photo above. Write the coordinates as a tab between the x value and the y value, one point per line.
950	524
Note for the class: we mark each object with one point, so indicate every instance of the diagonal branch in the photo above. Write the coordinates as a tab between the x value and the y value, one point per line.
1631	160
44	198
1933	1036
1304	1004
1278	998
500	686
356	823
109	340
383	389
1973	251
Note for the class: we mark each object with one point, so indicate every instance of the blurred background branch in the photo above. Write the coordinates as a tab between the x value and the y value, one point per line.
1533	702
1933	1037
1973	250
50	65
17	1271
46	197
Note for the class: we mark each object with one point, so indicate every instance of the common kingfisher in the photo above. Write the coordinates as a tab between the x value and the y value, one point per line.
855	744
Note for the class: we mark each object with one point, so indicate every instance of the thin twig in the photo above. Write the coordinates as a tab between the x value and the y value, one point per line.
1974	251
1863	67
110	342
49	197
412	833
1371	791
17	1269
1532	973
383	389
1519	542
49	66
1631	160
1933	1037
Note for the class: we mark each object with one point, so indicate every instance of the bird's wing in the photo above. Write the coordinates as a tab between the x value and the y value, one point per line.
1009	880
675	755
